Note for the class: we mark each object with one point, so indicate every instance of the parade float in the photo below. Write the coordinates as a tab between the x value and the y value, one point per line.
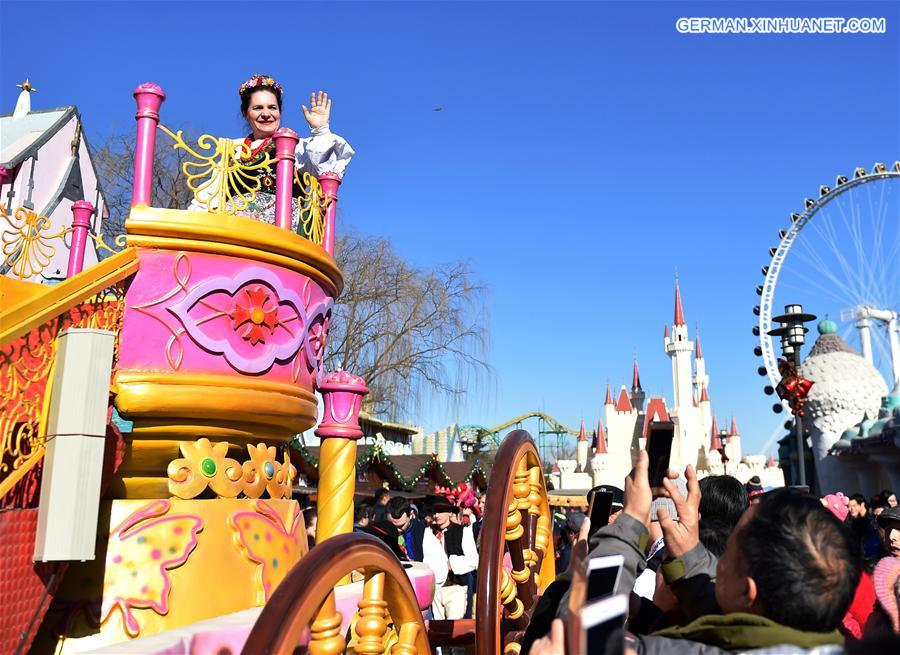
149	404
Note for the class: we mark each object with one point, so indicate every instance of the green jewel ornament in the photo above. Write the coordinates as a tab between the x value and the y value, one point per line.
208	467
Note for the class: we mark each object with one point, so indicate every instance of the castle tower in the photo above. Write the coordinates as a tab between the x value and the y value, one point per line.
637	393
621	420
600	445
713	462
608	406
705	407
679	348
581	454
733	446
701	379
685	413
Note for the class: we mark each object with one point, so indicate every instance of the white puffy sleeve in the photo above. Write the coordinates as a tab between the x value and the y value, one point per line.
434	556
323	152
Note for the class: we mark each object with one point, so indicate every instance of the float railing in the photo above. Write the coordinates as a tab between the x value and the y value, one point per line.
222	179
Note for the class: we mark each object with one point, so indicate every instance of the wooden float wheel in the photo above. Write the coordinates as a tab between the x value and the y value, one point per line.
388	619
517	521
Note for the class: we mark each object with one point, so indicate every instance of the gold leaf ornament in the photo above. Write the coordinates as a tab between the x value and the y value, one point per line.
204	465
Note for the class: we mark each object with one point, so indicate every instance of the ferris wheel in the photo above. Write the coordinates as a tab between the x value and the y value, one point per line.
840	258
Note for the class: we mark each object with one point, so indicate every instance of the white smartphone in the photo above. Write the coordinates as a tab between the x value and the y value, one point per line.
603	626
603	576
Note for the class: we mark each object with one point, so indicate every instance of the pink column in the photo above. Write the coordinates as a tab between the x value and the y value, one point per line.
342	394
285	143
149	97
82	211
330	183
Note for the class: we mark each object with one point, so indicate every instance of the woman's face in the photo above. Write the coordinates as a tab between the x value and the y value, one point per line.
263	114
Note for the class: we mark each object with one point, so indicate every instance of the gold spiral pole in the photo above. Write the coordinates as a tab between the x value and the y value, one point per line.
342	394
337	483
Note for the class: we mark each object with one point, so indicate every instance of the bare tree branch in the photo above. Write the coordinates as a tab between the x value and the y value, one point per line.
114	160
413	335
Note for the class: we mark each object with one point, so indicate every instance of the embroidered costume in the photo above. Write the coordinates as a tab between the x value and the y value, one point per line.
322	152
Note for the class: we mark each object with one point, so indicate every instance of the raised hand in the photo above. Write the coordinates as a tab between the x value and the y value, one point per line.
638	494
319	110
682	535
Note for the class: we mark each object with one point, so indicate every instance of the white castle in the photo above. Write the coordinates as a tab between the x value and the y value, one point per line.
608	457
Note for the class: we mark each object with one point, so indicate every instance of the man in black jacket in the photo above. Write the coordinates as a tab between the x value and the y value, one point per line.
458	544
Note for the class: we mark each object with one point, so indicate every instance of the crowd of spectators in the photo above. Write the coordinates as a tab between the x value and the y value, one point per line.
714	566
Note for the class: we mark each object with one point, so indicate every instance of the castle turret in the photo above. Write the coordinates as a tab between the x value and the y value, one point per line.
733	446
685	413
679	349
581	454
600	444
701	379
637	393
705	407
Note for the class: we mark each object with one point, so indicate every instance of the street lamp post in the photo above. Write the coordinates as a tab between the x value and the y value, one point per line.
792	333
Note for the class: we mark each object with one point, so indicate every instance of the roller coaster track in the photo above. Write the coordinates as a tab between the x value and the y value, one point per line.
547	425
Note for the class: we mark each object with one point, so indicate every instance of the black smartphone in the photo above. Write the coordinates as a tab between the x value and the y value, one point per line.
603	626
601	506
659	449
603	576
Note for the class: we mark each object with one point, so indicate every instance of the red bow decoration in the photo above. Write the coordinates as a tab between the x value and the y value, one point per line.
460	496
793	387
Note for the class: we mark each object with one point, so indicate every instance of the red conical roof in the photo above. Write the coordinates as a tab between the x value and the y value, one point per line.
715	442
635	377
581	434
699	349
555	467
666	332
623	404
771	460
704	396
679	312
656	411
600	449
734	428
609	400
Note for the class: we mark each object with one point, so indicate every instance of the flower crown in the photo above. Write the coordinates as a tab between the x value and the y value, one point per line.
260	80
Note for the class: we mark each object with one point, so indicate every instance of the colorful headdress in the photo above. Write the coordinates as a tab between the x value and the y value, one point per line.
257	81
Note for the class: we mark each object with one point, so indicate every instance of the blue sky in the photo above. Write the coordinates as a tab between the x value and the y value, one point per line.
585	151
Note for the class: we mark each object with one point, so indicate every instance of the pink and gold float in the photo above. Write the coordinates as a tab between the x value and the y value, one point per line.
222	322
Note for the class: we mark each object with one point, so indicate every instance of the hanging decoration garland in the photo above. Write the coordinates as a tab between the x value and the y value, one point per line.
374	453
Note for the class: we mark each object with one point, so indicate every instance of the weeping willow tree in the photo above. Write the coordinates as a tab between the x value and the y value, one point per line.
414	335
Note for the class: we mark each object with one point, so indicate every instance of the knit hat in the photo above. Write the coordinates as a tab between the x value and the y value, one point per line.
886	576
837	504
754	486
